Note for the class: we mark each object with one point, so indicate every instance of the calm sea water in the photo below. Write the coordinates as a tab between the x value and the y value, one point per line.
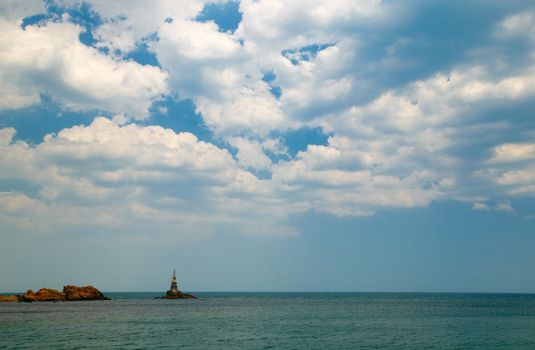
275	321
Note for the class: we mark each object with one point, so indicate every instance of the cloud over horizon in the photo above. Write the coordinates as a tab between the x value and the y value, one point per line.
409	116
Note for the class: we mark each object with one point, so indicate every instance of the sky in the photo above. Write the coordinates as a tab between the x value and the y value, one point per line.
268	145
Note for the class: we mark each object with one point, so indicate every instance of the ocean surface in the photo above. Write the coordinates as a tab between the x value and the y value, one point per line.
275	321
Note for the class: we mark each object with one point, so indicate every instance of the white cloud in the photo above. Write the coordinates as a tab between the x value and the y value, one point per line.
278	21
511	168
389	147
204	64
342	182
50	59
499	206
132	177
127	22
511	152
199	41
120	119
250	153
214	70
521	24
504	206
480	206
515	177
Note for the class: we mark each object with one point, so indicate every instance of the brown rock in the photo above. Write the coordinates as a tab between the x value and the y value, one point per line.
70	293
75	293
43	294
6	298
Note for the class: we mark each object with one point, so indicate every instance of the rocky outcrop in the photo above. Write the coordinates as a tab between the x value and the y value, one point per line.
6	298
75	293
43	294
177	295
70	293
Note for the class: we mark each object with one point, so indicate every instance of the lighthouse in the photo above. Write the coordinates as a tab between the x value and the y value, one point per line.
173	290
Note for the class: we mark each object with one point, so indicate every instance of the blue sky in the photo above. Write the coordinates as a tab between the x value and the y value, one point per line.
268	145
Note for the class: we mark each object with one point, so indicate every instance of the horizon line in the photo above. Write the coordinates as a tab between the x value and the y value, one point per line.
325	292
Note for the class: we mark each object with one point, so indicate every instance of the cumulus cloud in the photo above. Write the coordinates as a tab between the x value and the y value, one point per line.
513	152
128	175
127	22
218	74
212	68
117	177
49	59
334	182
511	168
250	153
451	132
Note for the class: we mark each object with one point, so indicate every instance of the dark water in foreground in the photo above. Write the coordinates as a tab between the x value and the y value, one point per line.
275	321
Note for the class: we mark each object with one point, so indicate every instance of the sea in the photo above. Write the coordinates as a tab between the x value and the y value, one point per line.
275	321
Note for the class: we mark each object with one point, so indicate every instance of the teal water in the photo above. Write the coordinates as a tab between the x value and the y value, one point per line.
275	321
